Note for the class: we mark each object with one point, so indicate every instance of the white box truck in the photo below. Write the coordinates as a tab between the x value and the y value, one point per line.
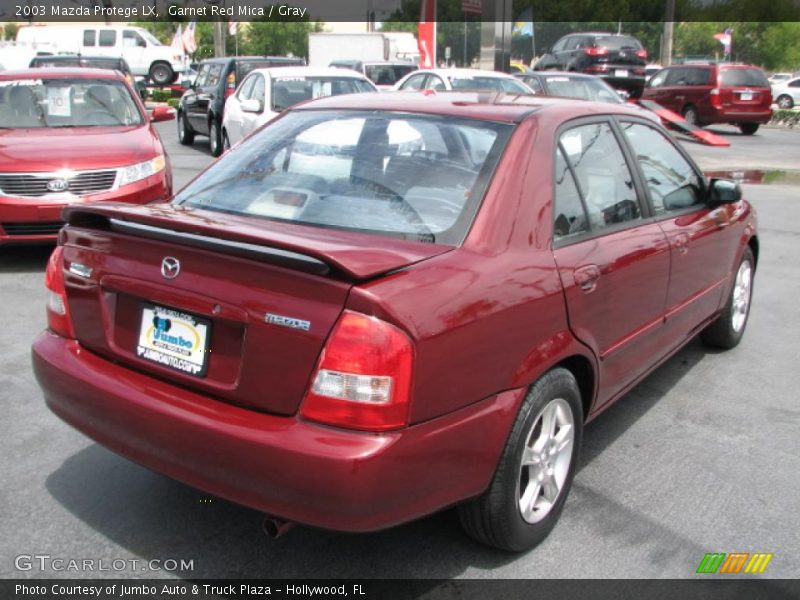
325	48
142	51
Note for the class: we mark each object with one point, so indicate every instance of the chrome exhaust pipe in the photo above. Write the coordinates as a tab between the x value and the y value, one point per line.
275	527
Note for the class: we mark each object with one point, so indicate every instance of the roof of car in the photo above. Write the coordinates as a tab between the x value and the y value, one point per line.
467	73
309	72
490	106
225	59
61	73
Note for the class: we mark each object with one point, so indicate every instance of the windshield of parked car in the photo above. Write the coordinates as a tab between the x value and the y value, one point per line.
387	74
583	88
493	84
393	174
35	103
734	77
288	91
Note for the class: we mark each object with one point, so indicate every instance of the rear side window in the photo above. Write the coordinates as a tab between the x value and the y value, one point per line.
414	82
736	77
697	76
603	177
89	37
569	214
108	38
392	174
214	72
673	183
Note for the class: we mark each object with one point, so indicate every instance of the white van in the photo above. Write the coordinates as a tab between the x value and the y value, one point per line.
142	51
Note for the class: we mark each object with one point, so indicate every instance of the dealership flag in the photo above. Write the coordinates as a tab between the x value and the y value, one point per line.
189	43
426	34
725	38
177	39
233	27
523	26
471	6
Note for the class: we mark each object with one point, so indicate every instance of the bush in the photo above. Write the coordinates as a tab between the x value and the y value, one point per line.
160	95
174	102
785	118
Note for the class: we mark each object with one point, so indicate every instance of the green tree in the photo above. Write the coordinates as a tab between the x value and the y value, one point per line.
277	38
9	31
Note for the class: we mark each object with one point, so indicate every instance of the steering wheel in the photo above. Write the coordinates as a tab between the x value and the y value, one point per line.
397	201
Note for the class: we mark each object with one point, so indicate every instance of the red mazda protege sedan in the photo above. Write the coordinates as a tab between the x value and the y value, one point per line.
382	305
72	136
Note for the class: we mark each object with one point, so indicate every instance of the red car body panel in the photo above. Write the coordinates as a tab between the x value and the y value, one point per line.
486	319
49	150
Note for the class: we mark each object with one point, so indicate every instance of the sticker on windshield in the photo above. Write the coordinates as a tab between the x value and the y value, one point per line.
58	102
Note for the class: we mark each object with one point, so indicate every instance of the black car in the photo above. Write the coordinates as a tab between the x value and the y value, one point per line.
617	58
380	73
200	109
91	62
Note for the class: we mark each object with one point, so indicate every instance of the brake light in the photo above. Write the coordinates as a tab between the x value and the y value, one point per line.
58	317
363	379
601	51
230	84
715	98
641	53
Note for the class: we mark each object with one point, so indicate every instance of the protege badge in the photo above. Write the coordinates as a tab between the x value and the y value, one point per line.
290	322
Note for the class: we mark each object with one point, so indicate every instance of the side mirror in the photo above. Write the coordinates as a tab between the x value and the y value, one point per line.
252	105
724	191
162	113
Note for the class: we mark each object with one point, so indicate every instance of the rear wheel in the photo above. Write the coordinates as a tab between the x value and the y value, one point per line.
214	137
748	128
535	472
161	73
185	132
690	115
785	101
727	331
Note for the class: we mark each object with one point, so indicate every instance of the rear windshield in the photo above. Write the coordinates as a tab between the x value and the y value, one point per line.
35	103
617	42
387	74
582	88
399	175
753	77
493	84
288	91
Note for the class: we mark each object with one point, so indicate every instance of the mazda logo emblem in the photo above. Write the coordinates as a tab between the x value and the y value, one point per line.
58	185
170	267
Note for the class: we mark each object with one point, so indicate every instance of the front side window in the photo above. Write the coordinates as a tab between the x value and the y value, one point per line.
398	175
414	83
40	103
131	39
108	38
673	183
603	177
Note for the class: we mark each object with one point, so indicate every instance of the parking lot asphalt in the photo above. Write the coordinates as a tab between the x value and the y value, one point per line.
701	457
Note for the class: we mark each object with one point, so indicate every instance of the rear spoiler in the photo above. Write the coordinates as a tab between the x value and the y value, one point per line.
315	250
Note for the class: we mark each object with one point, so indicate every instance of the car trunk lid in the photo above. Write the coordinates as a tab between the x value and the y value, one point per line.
215	303
744	89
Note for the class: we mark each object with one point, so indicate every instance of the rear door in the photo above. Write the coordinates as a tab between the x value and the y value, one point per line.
206	90
612	259
701	242
107	40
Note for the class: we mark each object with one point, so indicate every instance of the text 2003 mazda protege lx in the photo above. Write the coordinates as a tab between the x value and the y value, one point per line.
382	305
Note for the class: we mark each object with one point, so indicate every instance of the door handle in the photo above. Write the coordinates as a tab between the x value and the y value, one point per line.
681	243
586	277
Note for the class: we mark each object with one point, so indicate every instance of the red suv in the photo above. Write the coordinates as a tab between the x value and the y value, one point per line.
72	136
714	93
381	305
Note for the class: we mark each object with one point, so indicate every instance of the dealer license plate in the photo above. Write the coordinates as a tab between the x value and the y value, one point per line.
175	339
746	96
621	73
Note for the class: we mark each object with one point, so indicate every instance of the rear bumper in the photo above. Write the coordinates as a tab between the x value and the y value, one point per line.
284	466
37	220
724	115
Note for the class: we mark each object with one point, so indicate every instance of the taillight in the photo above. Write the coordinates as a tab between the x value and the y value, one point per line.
230	84
715	98
58	318
363	379
601	51
641	53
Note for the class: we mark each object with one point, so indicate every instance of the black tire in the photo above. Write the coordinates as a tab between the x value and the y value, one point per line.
495	518
724	333
690	115
748	128
785	101
215	138
185	131
161	73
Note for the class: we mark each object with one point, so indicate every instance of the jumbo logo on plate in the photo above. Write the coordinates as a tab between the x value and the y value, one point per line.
174	339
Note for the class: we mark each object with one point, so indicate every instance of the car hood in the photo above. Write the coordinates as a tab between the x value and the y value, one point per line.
78	148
